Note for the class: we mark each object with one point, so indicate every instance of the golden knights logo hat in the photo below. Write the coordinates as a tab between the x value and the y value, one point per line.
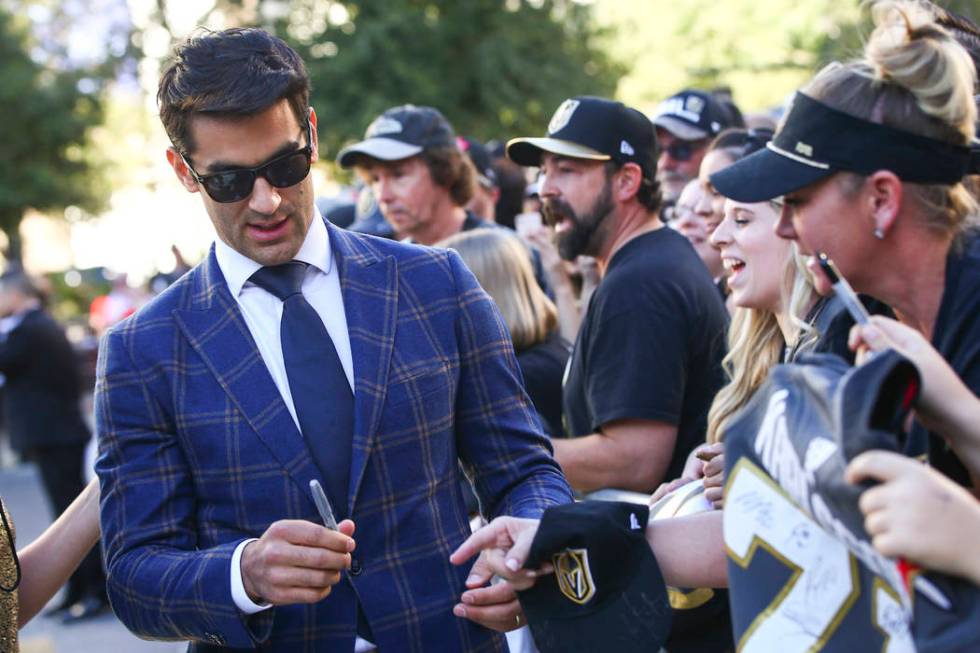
594	128
607	592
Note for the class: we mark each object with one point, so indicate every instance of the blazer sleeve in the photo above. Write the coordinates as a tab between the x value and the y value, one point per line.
15	350
498	435
160	584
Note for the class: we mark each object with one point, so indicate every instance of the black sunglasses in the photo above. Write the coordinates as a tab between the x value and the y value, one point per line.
282	172
684	150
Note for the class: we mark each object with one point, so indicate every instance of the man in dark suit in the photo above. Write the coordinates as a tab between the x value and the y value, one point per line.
42	393
299	352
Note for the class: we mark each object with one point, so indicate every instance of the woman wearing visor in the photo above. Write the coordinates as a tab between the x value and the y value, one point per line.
869	161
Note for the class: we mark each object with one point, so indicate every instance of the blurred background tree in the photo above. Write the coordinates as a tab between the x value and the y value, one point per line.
80	137
763	51
494	67
51	102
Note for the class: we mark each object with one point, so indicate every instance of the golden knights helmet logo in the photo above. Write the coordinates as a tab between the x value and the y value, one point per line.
574	576
562	115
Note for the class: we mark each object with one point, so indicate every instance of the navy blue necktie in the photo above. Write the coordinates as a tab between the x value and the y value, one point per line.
321	393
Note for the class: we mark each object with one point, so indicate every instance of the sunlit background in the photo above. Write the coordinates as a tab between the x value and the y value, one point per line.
496	68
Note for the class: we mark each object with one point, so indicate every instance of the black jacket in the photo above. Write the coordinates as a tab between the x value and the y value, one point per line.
42	389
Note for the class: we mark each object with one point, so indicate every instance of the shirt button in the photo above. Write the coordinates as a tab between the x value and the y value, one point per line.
355	567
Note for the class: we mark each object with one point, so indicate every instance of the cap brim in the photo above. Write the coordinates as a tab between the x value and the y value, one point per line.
636	621
383	149
527	151
679	128
766	175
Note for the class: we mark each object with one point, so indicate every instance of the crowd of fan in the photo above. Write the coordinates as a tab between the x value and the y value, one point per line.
654	271
636	368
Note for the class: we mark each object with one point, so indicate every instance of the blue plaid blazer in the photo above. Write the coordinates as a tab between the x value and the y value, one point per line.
197	452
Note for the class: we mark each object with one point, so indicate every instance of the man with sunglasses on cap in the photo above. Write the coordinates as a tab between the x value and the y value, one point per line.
686	122
647	360
298	367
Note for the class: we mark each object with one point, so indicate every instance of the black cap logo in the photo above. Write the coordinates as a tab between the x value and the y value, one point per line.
574	576
383	125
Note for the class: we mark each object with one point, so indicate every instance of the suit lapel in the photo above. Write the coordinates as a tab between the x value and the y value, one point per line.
369	285
215	328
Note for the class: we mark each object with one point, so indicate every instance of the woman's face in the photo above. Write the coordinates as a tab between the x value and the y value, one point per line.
694	226
754	256
712	203
824	217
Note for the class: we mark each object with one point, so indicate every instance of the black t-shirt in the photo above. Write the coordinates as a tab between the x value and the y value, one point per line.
650	345
957	337
543	366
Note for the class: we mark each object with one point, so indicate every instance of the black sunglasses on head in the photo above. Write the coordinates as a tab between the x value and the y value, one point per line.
282	172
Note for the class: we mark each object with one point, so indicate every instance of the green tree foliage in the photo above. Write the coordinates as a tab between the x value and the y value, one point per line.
495	68
46	117
762	50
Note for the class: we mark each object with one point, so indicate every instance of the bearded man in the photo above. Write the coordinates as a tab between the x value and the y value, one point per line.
647	361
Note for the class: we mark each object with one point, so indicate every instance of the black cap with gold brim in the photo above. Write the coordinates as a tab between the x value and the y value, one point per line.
816	141
527	151
592	128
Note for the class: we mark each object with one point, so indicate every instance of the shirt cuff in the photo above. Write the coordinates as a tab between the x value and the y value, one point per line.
238	593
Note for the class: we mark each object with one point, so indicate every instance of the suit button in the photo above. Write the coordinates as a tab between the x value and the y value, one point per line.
214	638
355	567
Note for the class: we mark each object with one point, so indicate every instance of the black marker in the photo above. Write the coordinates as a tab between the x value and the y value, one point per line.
843	290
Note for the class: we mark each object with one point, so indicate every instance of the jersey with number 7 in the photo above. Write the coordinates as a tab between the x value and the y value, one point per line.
802	573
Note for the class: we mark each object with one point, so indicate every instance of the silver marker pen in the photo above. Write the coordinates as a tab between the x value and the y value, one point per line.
323	505
843	290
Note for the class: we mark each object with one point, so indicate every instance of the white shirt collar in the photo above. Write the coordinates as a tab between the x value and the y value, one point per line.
237	267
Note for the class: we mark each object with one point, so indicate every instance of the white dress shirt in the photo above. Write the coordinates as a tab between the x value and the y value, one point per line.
263	312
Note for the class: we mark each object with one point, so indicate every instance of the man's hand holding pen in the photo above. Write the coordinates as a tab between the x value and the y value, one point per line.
296	561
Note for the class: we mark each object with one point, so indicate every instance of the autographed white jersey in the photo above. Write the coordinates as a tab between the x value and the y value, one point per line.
802	574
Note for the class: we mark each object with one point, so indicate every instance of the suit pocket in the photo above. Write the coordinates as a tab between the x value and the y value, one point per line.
417	386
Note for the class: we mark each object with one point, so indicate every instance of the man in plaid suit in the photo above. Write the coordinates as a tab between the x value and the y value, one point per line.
210	530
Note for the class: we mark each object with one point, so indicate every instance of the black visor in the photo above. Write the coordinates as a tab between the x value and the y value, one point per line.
816	141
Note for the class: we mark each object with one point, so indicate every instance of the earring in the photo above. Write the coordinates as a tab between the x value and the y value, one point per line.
879	234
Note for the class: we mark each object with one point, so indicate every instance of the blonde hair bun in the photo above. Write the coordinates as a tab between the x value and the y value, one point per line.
908	48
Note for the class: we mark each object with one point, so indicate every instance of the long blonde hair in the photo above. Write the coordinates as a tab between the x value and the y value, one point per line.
502	266
916	77
756	344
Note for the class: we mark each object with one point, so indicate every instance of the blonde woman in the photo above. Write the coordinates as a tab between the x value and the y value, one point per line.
768	289
500	262
870	161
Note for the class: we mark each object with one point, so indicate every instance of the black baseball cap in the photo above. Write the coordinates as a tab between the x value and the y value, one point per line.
607	592
400	133
481	158
594	128
816	141
693	115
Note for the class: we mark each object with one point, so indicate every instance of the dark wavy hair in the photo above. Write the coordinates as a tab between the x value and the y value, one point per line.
452	170
235	72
